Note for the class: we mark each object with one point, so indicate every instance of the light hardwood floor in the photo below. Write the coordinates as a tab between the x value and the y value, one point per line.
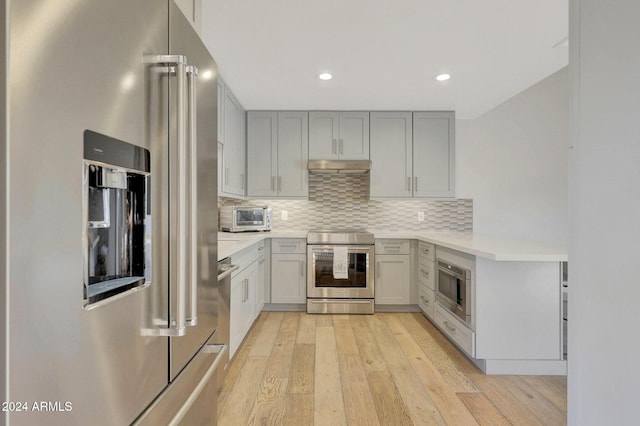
383	369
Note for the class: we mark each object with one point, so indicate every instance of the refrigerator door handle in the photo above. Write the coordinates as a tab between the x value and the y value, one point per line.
177	64
192	315
220	350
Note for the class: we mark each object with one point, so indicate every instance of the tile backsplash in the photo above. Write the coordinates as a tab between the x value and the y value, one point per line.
342	201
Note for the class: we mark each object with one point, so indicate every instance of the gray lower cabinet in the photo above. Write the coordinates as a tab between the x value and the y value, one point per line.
288	270
277	154
412	154
392	272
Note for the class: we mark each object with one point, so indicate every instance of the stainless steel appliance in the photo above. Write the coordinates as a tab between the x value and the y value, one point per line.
339	274
245	218
453	289
109	214
339	166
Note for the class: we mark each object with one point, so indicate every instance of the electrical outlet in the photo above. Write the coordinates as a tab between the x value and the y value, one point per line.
420	216
284	215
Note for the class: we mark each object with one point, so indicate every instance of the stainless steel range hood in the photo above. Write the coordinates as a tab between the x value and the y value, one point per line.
339	166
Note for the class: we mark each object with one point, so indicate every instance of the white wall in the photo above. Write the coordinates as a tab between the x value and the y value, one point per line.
513	162
604	251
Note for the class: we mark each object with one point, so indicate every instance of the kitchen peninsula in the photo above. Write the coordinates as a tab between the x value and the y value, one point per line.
516	295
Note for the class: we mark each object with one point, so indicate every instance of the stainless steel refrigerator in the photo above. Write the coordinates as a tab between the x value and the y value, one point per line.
108	215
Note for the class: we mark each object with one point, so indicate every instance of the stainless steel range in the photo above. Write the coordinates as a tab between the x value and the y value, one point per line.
339	276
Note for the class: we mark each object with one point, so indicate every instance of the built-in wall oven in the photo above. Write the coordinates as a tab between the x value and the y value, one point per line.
453	289
339	275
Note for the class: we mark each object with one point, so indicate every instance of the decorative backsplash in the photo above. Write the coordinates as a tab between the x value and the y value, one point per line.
342	201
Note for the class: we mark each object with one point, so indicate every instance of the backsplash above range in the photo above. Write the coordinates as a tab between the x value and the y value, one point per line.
342	201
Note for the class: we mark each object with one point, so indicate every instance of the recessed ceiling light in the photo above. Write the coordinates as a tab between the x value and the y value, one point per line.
443	77
325	76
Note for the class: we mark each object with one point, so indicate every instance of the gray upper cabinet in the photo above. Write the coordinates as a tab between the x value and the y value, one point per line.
233	151
192	9
277	154
434	154
339	135
412	155
391	154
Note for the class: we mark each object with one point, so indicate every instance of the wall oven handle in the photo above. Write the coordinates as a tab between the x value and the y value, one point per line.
192	315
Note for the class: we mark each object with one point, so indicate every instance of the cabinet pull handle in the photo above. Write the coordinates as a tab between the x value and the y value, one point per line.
415	185
334	149
273	183
408	183
341	146
242	181
378	269
302	269
289	245
279	183
449	327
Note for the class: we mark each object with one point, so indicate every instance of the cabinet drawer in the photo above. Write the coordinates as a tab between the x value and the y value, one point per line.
427	301
426	274
426	251
247	256
288	245
392	247
455	330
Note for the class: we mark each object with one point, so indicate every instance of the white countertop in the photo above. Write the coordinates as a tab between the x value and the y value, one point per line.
487	246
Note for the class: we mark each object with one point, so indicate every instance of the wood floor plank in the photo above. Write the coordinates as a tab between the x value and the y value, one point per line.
418	402
345	339
485	413
358	402
324	321
507	398
554	388
369	351
243	395
270	402
452	366
387	401
306	329
328	406
241	354
299	410
544	409
302	375
269	331
450	407
280	360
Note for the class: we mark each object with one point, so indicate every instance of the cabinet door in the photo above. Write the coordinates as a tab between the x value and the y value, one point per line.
242	151
235	313
259	300
393	280
220	114
353	138
293	154
323	135
231	150
249	300
391	141
262	153
288	278
433	154
192	10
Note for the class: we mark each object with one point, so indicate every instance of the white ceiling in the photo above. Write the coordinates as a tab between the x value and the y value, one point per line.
384	54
